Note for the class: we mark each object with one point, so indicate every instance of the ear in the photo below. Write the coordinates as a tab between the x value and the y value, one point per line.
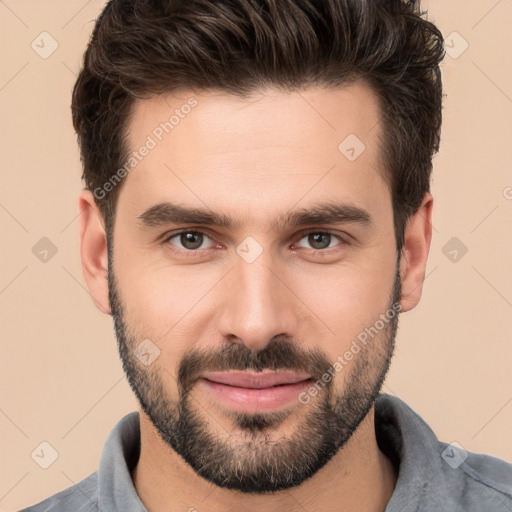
93	250
418	234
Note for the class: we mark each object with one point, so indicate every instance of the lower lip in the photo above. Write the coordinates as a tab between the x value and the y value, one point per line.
256	400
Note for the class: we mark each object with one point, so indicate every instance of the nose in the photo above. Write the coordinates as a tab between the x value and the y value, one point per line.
258	304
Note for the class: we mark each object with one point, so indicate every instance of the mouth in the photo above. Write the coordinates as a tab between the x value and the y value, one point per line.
253	380
255	392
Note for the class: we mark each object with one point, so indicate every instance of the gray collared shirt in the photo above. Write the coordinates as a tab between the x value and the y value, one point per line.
432	476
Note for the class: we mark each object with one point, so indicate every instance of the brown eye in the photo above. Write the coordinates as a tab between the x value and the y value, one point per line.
189	240
321	240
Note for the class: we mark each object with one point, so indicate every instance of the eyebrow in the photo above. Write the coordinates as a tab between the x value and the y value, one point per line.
165	213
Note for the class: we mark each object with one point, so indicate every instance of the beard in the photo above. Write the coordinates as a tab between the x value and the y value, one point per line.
253	457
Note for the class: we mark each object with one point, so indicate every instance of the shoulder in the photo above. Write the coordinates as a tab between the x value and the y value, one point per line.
81	497
434	475
476	480
108	488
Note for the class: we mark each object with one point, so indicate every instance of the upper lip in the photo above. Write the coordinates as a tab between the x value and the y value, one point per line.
244	379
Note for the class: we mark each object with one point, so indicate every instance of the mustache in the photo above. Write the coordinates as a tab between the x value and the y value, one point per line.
280	354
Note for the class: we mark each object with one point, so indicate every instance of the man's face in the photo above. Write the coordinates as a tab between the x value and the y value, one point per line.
264	293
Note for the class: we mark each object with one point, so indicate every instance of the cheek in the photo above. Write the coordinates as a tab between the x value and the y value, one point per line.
347	298
345	301
170	305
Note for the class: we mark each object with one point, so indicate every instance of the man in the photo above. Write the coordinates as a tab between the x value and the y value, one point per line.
257	213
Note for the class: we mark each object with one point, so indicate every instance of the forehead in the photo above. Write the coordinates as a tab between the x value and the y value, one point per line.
219	149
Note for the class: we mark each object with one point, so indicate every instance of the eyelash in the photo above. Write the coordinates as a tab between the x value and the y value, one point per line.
195	253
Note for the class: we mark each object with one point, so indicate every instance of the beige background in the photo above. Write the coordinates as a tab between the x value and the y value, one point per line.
61	381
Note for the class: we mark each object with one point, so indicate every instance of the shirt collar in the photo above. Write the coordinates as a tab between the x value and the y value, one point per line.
120	454
406	439
402	435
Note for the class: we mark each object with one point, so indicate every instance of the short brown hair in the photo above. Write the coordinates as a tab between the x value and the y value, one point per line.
144	47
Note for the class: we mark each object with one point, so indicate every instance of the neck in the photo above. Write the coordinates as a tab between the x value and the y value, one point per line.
364	480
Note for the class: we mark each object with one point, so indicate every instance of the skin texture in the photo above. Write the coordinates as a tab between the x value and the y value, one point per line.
295	307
